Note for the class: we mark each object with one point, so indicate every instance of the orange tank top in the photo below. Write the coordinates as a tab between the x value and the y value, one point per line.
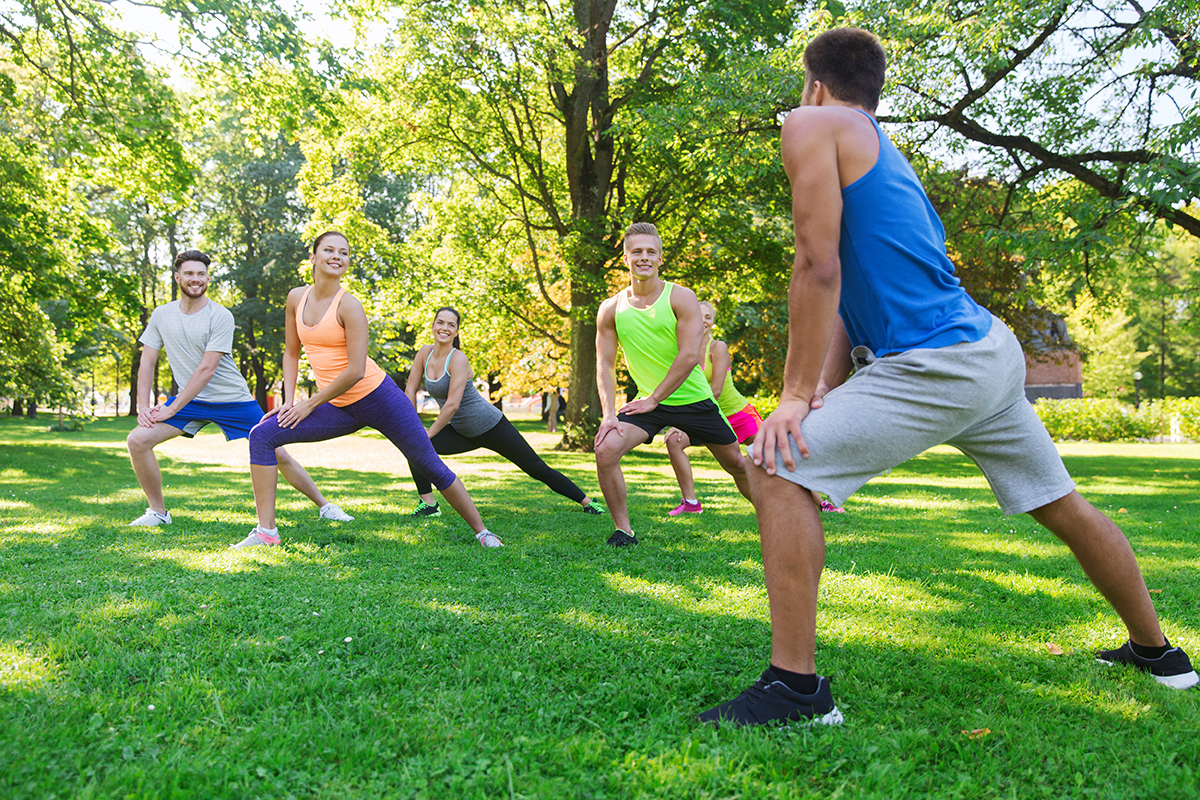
325	347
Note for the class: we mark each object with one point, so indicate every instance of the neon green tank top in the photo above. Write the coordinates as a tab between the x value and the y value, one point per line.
647	335
731	401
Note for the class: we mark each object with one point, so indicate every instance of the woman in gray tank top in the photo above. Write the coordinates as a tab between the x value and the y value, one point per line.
467	421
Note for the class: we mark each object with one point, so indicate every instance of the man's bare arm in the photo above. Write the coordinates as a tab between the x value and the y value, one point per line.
145	378
810	157
606	358
194	386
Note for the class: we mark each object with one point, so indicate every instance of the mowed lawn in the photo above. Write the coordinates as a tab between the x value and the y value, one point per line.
388	657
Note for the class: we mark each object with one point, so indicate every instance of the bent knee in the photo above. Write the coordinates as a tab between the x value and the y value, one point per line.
138	441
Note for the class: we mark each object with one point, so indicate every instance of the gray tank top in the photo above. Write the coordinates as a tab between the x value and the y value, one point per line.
475	416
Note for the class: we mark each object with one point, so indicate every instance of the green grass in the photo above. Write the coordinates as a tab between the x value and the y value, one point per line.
392	658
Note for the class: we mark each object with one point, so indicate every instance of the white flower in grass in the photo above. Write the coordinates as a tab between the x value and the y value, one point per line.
150	707
347	640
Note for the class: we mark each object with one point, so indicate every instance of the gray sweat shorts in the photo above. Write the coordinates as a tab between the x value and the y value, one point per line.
969	395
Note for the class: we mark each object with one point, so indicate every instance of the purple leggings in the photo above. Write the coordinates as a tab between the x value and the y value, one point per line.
387	410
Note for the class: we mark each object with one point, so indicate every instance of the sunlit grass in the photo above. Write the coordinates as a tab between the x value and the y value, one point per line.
389	657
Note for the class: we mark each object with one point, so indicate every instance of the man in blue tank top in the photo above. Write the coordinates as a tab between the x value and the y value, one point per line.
872	289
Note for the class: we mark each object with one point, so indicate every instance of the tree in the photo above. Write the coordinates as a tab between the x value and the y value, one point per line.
1103	92
252	219
1107	340
548	128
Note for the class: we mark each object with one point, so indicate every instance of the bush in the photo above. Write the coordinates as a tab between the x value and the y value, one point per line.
1176	416
1104	420
765	403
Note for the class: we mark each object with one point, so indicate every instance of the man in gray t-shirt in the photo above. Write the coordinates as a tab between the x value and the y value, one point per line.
197	334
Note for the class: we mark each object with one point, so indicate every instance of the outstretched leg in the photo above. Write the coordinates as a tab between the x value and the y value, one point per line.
1108	561
730	457
299	478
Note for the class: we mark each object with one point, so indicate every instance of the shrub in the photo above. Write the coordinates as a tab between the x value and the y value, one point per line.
1104	420
765	403
1185	410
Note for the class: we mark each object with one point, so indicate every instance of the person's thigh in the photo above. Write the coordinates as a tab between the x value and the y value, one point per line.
448	442
897	407
1018	458
729	456
619	442
153	437
327	421
388	411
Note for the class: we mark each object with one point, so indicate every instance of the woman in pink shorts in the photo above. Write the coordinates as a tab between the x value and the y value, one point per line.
742	416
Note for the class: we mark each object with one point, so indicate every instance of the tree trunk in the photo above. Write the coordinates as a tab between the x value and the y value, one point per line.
493	382
135	366
18	407
588	118
31	410
257	367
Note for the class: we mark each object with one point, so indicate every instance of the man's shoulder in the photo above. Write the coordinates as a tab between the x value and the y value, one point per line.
609	305
826	117
679	292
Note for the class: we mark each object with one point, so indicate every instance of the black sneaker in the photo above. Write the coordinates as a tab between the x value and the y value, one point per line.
423	509
595	507
1172	668
622	539
770	701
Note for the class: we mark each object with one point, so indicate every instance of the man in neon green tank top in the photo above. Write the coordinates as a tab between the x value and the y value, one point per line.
658	325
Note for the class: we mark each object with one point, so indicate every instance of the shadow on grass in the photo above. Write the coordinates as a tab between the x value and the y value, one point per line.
935	610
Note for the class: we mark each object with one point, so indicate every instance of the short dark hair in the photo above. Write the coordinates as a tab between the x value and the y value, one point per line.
191	255
317	241
850	63
637	228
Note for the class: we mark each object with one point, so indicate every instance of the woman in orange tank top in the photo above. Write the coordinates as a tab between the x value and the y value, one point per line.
353	392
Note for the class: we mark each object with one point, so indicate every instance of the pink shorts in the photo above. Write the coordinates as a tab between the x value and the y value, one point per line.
745	423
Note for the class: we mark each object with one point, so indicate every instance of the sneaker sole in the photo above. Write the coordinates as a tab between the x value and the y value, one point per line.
1185	681
833	717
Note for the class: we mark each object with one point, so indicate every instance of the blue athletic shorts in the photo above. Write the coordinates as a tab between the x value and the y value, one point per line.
234	419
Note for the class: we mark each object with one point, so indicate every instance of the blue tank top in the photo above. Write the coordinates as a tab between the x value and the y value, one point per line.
475	416
899	291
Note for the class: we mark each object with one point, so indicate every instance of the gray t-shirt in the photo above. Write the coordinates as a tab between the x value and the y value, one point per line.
187	337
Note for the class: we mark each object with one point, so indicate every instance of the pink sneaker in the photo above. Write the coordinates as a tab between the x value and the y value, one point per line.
831	508
686	508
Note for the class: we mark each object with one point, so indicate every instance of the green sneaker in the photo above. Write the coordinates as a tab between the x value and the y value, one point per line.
423	509
595	507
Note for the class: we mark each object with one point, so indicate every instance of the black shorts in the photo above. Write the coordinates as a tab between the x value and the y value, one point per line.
702	422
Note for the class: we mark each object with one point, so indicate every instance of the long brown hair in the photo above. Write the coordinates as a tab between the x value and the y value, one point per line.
457	321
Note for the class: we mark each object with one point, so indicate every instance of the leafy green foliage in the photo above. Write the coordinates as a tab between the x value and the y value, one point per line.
547	129
1105	420
1103	93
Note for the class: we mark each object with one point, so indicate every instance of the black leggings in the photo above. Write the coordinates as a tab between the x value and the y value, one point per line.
506	440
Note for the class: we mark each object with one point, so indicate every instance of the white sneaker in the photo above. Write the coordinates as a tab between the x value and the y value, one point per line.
256	538
151	519
489	539
333	512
